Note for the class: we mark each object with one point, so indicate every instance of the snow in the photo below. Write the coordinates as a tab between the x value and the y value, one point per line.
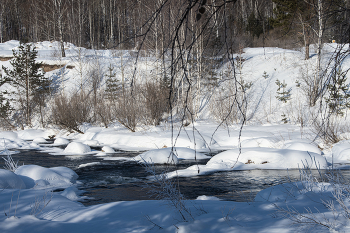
39	140
303	146
77	148
31	134
160	156
36	176
9	180
265	143
138	141
65	215
91	142
61	141
89	164
107	149
255	158
8	135
340	152
72	193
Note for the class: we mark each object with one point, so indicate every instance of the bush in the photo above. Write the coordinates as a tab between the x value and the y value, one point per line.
156	102
71	112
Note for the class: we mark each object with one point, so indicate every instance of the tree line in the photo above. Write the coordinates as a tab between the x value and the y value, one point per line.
100	24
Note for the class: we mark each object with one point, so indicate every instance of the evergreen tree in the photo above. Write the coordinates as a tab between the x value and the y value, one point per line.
112	85
293	15
26	76
338	93
254	26
283	94
5	107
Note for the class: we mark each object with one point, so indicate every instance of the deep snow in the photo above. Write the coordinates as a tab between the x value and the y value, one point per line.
266	143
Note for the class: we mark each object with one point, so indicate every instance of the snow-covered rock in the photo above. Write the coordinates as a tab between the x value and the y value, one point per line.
91	142
159	156
269	158
34	175
31	134
39	140
341	152
72	193
77	148
303	146
107	149
8	135
61	141
9	180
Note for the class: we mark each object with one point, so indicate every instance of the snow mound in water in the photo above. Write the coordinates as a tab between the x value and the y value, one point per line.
66	172
255	158
341	151
41	176
258	142
108	149
9	180
72	193
268	158
77	148
61	141
8	135
31	134
91	143
303	146
159	156
39	140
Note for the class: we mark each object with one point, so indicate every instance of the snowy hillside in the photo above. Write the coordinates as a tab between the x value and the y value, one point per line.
279	134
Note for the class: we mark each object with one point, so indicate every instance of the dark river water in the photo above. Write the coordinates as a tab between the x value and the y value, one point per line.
127	180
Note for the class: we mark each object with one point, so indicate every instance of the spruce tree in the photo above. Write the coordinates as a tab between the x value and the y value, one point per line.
26	76
338	89
112	85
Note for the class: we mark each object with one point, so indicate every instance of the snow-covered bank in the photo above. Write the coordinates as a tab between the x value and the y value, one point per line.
209	214
264	143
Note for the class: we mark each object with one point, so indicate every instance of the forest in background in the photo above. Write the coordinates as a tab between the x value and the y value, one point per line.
102	24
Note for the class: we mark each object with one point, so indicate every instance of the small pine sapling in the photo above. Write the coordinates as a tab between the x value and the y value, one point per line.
283	94
245	86
284	118
113	86
339	94
265	75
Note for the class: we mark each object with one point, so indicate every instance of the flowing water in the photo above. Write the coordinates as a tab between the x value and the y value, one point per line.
109	181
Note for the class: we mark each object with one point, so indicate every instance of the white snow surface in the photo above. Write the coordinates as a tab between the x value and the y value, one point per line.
256	158
39	140
107	149
9	180
61	141
340	152
160	156
266	144
35	176
77	148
